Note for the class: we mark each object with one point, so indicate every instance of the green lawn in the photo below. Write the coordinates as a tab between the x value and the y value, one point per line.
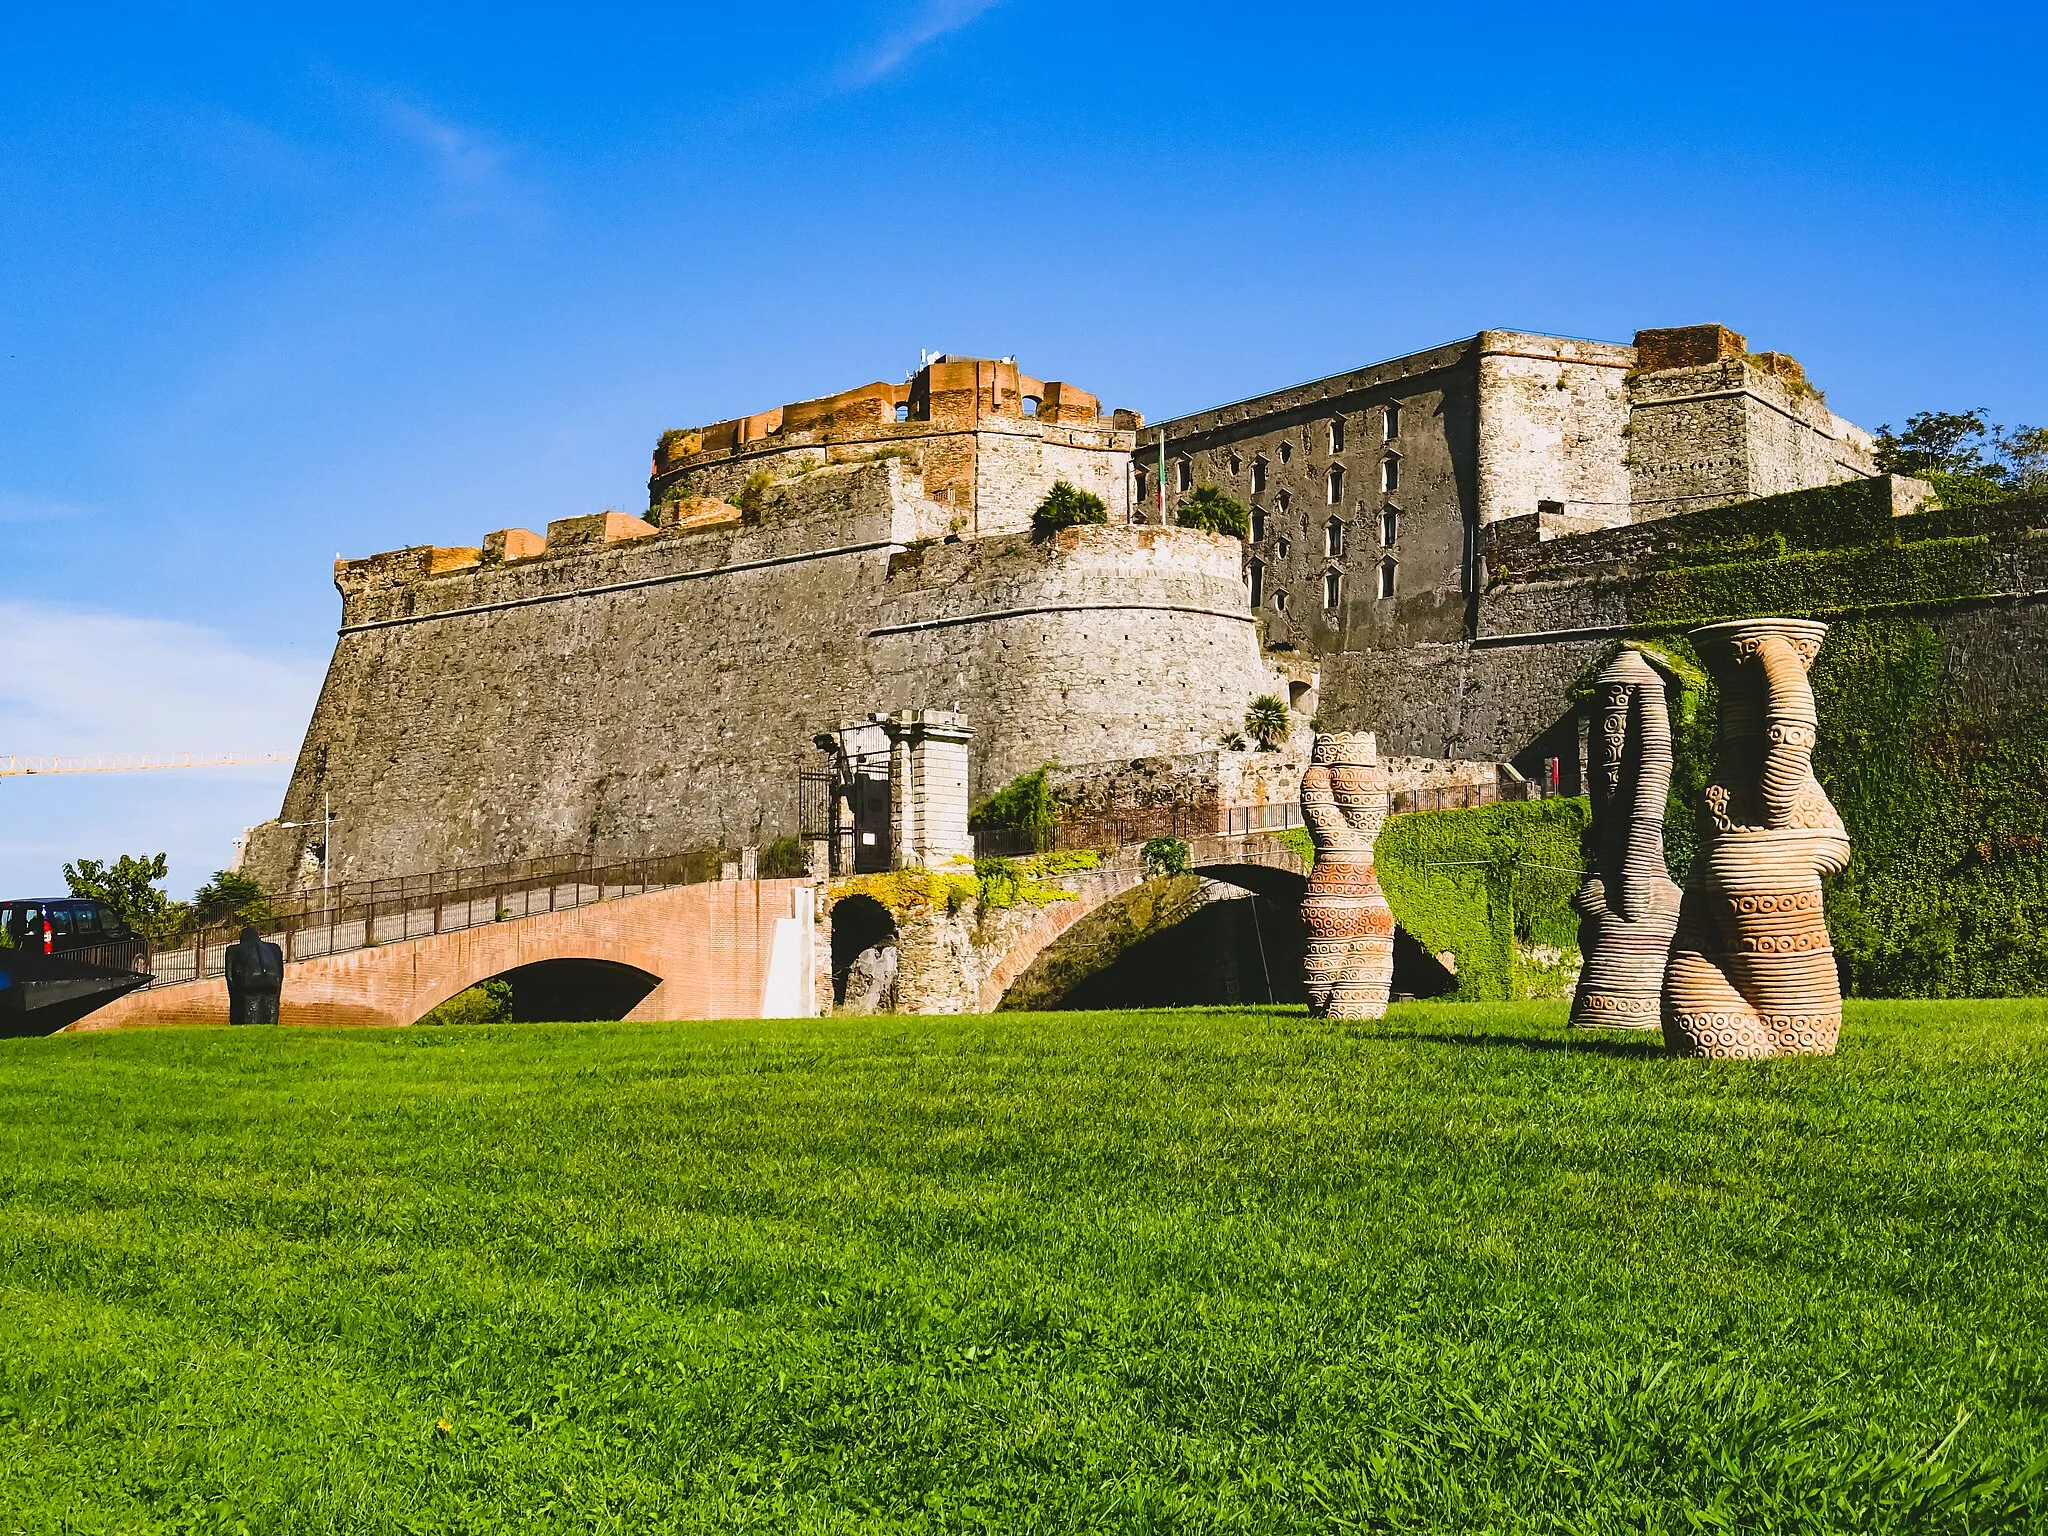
1185	1271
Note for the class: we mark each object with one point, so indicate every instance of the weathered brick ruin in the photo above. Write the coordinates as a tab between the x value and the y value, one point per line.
628	684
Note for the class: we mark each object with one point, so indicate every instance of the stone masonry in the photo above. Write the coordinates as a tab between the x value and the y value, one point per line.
623	684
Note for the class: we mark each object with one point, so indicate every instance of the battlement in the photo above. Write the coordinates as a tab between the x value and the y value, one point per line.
951	393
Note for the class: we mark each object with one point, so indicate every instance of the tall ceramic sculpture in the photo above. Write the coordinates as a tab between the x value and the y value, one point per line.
1752	972
1628	906
1350	962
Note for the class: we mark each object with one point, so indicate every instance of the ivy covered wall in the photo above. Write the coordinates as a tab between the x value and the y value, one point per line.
1933	696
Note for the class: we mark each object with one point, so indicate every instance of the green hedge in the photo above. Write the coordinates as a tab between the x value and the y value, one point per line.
1816	581
1493	886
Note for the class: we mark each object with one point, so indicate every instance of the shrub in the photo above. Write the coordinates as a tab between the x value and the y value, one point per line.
1266	722
1025	804
783	859
231	900
1492	885
1213	512
1164	857
753	494
488	1002
1065	507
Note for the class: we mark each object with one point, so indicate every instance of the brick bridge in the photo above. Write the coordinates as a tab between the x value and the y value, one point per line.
714	949
1255	861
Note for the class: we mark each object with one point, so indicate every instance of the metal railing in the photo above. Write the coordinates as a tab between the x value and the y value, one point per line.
364	914
1129	826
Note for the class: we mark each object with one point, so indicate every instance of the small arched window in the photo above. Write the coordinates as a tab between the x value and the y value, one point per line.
1279	602
1390	472
1335	483
1390	526
1391	424
1387	569
1282	501
1183	475
1258	581
1333	589
1258	526
1031	405
903	410
1286	452
1236	464
1258	474
1336	434
1333	537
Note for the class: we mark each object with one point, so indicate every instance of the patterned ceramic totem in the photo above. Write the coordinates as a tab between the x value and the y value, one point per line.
1628	907
1752	972
1350	961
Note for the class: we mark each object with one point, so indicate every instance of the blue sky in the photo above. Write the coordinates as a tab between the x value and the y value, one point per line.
278	283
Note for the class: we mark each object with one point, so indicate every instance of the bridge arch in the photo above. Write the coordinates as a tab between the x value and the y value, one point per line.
1253	861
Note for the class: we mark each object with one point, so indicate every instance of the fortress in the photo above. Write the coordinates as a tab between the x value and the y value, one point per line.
632	684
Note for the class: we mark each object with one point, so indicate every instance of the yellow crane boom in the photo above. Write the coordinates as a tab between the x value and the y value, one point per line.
135	762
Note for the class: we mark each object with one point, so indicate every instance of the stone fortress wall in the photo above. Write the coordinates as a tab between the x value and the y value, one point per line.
624	684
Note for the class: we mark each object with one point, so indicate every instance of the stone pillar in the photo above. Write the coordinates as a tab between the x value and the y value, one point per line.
928	787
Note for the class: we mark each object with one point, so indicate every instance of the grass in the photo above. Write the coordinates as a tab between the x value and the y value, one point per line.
1195	1271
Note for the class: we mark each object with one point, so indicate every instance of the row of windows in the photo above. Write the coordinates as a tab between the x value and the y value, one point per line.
1333	480
1386	576
1333	531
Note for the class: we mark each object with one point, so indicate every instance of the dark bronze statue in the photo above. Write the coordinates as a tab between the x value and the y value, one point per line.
255	979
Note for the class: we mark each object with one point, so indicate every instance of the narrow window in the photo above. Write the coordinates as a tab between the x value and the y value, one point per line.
1282	500
1550	509
1333	589
1258	526
1336	434
1236	464
1279	602
1258	474
1258	580
1280	549
1336	484
1286	452
1387	569
1390	526
1141	486
1390	473
1183	475
1333	537
1391	427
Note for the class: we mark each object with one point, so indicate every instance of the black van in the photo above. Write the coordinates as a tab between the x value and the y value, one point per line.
78	926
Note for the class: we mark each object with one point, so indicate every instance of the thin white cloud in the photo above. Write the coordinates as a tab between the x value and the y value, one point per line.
464	157
933	20
80	683
19	507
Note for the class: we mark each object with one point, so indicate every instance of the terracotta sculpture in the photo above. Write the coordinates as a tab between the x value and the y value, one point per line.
1350	963
1628	906
1752	972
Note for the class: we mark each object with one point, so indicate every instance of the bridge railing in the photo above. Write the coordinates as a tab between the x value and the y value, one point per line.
1127	827
363	914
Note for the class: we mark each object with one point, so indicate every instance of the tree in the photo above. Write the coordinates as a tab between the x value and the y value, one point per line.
1965	457
130	886
1210	510
1065	507
231	900
1266	722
